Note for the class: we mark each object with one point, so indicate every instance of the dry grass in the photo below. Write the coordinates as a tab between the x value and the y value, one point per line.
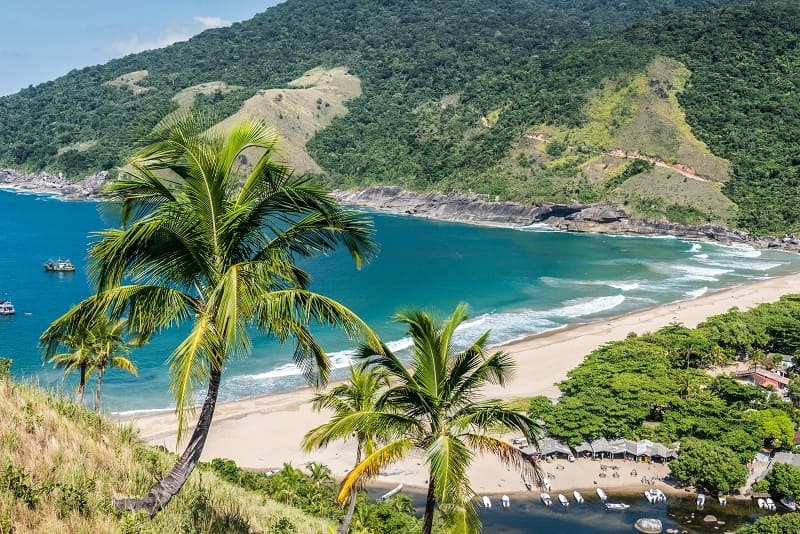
130	81
186	97
82	146
309	104
60	466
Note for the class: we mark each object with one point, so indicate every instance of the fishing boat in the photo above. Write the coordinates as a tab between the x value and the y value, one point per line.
789	503
617	506
701	500
654	496
770	504
762	503
563	500
6	308
649	525
487	502
601	494
505	501
546	499
723	500
59	266
391	492
578	497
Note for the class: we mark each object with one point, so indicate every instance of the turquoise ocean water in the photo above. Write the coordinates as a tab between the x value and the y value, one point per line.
516	281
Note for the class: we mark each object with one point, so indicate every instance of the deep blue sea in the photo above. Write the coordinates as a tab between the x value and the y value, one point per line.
516	281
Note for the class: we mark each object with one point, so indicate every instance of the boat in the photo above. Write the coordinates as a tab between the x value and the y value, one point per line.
59	266
617	506
527	481
789	503
723	500
762	503
505	501
648	525
601	494
391	492
546	499
563	499
654	496
701	500
6	308
770	504
578	497
487	502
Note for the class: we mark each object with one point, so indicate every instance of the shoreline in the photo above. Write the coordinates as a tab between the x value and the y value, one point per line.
264	432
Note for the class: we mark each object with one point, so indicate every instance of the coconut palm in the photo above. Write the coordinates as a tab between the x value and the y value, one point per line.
435	406
358	394
109	350
210	240
76	356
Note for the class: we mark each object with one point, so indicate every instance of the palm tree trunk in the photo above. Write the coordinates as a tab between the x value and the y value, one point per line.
351	508
430	503
81	385
97	391
160	494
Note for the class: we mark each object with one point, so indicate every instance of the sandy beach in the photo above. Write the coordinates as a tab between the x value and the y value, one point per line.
264	432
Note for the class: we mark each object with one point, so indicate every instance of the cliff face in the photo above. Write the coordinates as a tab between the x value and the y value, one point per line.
600	218
88	188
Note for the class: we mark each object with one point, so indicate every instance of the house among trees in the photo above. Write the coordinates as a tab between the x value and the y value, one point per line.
764	378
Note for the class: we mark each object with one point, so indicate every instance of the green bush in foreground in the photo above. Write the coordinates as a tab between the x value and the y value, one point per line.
774	524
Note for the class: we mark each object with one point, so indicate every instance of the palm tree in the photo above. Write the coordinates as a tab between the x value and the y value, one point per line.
435	406
358	394
208	240
76	356
109	350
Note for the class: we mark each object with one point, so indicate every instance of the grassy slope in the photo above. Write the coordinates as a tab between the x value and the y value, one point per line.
60	465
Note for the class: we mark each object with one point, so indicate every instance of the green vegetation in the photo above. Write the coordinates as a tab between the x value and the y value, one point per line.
450	92
774	524
655	386
208	241
784	481
60	464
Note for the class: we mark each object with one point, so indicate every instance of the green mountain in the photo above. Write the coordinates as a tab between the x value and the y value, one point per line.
685	109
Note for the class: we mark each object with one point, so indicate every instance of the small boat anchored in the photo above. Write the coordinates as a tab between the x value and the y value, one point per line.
6	308
505	501
601	494
701	501
789	504
546	499
578	497
563	500
655	496
59	266
617	506
487	502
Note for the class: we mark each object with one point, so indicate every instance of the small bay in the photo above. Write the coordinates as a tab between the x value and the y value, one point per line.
516	281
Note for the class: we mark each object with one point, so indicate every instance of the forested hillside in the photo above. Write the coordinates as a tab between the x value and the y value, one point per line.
538	100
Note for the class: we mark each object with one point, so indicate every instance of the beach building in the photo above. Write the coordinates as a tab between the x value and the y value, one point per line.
764	378
549	447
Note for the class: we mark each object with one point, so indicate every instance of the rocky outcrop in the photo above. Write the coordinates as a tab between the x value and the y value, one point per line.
88	188
598	218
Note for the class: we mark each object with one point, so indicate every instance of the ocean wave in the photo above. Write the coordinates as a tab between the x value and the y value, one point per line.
695	247
741	250
700	256
694	293
586	307
745	265
134	413
622	285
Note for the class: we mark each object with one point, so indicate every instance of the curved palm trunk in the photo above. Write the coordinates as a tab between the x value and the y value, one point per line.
430	503
81	385
351	508
160	494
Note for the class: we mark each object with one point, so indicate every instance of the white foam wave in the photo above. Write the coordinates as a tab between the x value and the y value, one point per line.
693	294
745	265
126	414
623	285
585	307
695	247
741	250
701	256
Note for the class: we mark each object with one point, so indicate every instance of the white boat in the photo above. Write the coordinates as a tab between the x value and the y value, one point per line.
391	492
487	502
617	506
762	503
578	497
723	500
701	500
649	525
6	308
789	503
59	266
601	494
654	496
506	502
563	499
770	504
546	499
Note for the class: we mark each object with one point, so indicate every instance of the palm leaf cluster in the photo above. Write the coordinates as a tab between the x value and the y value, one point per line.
434	405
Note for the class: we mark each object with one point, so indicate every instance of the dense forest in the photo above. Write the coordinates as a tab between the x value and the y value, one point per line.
449	90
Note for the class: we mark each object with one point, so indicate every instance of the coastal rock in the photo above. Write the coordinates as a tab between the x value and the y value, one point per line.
87	188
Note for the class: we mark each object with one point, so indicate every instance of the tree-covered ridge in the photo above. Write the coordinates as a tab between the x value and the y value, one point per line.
450	90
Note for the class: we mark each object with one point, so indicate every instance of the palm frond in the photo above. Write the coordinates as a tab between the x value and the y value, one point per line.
508	454
372	465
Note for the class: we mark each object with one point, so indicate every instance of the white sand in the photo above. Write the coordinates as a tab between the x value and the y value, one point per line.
265	432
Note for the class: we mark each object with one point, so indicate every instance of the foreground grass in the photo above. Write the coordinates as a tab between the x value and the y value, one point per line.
61	465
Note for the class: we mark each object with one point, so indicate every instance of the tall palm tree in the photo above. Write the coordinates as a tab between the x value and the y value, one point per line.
110	349
76	355
435	405
210	240
358	394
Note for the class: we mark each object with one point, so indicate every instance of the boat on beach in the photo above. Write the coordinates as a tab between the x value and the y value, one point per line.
527	481
770	504
563	500
601	494
505	501
546	499
59	266
654	496
487	502
6	308
723	500
788	503
701	500
617	506
578	497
